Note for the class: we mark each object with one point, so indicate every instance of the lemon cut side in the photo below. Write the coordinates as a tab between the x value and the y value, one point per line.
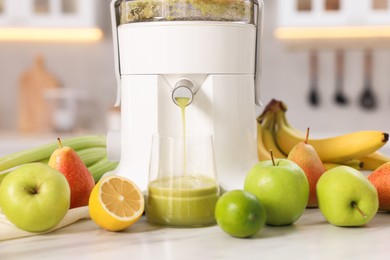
116	203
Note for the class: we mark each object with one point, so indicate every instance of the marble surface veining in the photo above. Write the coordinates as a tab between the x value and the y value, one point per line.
311	237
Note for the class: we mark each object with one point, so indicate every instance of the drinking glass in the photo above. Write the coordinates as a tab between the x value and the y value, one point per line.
182	185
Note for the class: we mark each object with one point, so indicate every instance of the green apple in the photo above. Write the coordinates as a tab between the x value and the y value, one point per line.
346	197
35	197
282	187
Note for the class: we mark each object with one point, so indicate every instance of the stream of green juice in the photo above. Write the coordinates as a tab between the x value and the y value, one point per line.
183	102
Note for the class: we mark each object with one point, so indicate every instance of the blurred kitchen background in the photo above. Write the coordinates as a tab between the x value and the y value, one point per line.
82	66
328	47
347	36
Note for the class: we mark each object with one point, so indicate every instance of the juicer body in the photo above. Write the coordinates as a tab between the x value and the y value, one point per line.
220	107
220	59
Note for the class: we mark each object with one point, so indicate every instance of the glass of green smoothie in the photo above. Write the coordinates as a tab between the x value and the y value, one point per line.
183	187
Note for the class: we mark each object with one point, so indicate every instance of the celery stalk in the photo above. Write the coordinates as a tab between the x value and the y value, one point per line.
101	167
43	152
92	155
88	155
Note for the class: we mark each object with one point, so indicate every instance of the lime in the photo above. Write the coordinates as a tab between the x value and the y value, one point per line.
240	213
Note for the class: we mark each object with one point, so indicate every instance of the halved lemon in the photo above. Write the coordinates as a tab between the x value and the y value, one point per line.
116	203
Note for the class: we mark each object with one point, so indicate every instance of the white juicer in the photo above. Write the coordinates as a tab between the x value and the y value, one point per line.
161	53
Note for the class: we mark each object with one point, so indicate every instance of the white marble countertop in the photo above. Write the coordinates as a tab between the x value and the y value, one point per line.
311	237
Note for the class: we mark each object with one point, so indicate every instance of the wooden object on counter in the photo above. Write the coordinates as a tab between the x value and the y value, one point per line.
34	114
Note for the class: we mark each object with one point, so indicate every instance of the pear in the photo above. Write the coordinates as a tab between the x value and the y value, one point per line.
380	177
307	158
81	182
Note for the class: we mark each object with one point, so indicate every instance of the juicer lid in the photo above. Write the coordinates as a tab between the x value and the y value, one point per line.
130	11
251	13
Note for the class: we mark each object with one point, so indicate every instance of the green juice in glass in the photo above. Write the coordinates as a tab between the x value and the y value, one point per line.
182	201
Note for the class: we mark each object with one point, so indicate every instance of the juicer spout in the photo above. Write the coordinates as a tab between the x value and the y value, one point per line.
183	92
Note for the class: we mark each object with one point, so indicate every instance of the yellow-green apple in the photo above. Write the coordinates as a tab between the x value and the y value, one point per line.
346	197
81	182
35	197
282	187
380	177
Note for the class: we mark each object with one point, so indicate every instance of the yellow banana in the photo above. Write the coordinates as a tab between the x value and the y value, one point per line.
286	137
356	164
297	132
262	152
374	160
335	149
268	136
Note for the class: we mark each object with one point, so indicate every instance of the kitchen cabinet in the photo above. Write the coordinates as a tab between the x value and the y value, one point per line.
47	13
49	20
309	13
351	23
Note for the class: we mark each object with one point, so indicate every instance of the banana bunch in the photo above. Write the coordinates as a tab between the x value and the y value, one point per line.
90	148
357	149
